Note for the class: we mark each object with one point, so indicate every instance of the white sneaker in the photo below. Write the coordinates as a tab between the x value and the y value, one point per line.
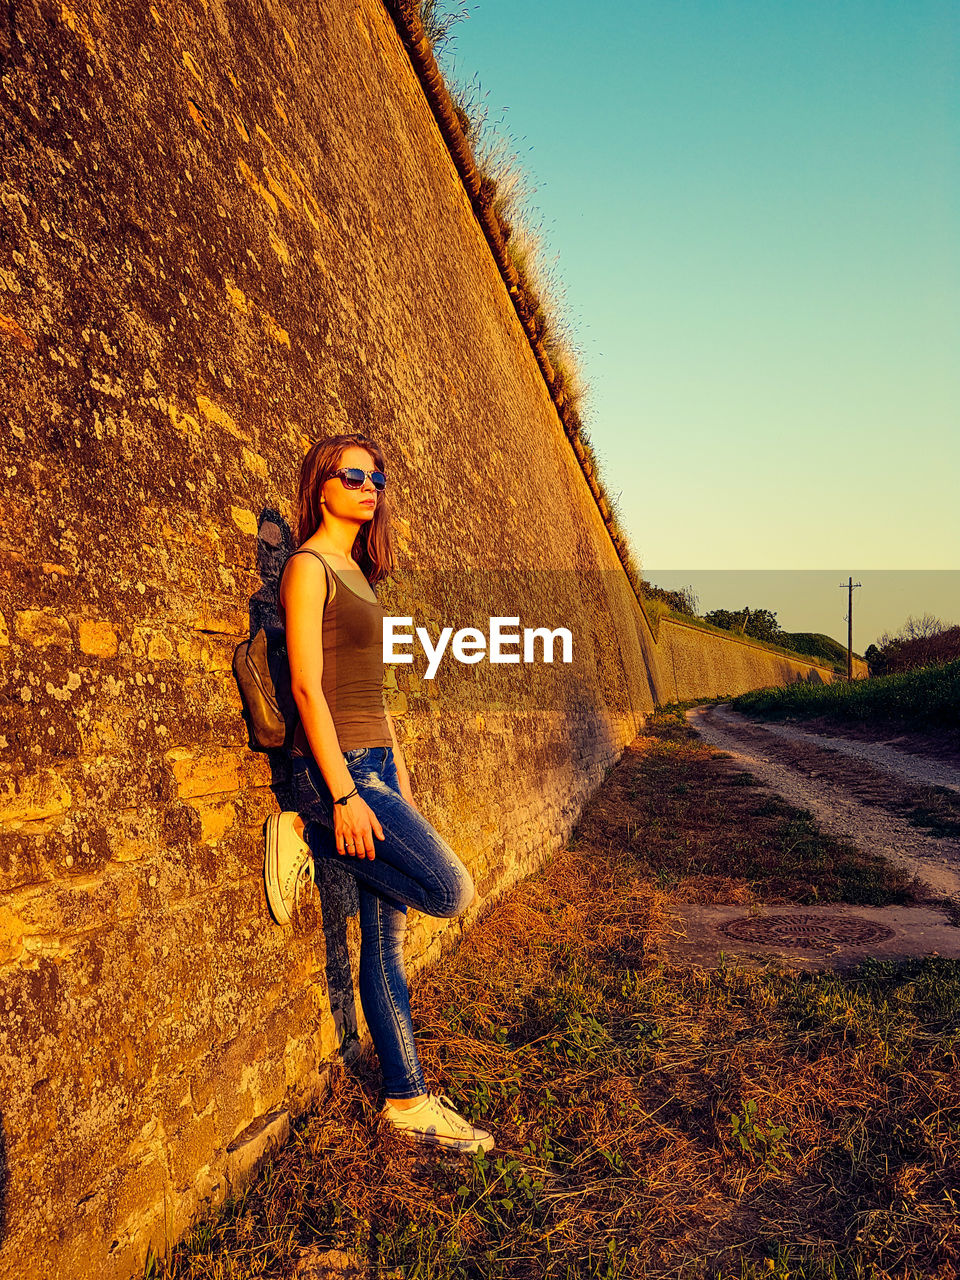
434	1121
287	865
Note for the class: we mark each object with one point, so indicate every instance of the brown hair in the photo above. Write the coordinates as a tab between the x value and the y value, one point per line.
373	548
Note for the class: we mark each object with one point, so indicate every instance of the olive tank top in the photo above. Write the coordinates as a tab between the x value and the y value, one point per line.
353	667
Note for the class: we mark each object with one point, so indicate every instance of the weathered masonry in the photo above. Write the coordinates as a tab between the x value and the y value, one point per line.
226	231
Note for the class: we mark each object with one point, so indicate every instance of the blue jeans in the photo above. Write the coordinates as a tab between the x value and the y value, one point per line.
414	866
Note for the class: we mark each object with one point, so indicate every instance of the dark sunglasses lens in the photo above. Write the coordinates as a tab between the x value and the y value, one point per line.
352	477
379	479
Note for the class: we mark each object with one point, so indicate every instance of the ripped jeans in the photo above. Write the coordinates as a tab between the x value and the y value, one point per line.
414	866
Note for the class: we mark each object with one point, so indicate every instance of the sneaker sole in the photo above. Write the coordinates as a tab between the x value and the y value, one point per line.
463	1146
271	871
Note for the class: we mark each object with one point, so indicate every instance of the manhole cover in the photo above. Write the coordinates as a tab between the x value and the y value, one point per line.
807	931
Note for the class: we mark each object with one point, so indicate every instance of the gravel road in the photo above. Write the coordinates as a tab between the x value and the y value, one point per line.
858	790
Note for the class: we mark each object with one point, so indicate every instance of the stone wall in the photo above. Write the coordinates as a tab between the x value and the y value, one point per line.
697	663
227	231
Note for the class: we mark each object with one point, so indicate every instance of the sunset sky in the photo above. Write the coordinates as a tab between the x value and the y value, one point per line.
753	209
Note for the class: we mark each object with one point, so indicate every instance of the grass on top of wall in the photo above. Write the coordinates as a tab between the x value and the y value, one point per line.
651	1121
506	196
928	697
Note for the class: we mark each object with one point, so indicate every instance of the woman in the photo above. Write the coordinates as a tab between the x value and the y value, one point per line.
349	777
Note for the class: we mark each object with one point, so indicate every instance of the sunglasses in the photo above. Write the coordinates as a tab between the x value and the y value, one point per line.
353	478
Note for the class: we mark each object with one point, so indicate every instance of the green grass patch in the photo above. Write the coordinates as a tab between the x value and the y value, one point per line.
928	697
820	647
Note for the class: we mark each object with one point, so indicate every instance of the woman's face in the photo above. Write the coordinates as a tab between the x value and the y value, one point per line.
352	504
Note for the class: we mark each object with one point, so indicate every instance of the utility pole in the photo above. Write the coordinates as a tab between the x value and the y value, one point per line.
849	586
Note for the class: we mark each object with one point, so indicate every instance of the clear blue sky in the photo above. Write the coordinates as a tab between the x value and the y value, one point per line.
753	206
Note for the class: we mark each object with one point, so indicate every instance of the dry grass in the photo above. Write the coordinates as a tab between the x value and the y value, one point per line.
508	193
714	833
650	1121
505	195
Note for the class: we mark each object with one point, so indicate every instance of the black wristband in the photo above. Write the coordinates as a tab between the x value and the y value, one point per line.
344	799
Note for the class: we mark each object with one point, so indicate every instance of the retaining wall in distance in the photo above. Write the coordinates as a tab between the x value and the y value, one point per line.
697	663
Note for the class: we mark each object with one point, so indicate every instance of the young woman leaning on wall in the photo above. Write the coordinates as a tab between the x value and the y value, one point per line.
351	785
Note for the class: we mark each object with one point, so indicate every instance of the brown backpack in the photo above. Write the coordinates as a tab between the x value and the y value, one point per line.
262	672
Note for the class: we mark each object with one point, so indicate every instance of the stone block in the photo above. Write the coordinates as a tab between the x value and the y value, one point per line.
234	1109
159	648
140	1193
40	629
250	1149
328	1035
308	1089
11	935
221	621
191	1150
210	773
245	520
33	797
98	638
215	819
151	644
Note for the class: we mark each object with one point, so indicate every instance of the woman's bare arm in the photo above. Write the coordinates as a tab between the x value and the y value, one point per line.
302	594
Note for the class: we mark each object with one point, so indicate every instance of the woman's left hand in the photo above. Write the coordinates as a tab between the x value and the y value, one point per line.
408	796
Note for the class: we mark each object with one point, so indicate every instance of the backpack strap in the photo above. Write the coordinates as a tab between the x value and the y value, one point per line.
299	746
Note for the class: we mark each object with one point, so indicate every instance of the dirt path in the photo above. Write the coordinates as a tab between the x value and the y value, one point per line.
864	791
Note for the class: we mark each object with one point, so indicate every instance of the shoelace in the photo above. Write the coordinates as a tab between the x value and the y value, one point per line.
304	875
305	869
457	1120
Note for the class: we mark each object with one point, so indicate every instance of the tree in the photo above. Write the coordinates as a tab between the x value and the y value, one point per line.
683	601
725	619
876	660
918	643
760	623
920	628
691	601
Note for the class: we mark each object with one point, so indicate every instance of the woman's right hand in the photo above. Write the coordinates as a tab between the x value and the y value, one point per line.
354	826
